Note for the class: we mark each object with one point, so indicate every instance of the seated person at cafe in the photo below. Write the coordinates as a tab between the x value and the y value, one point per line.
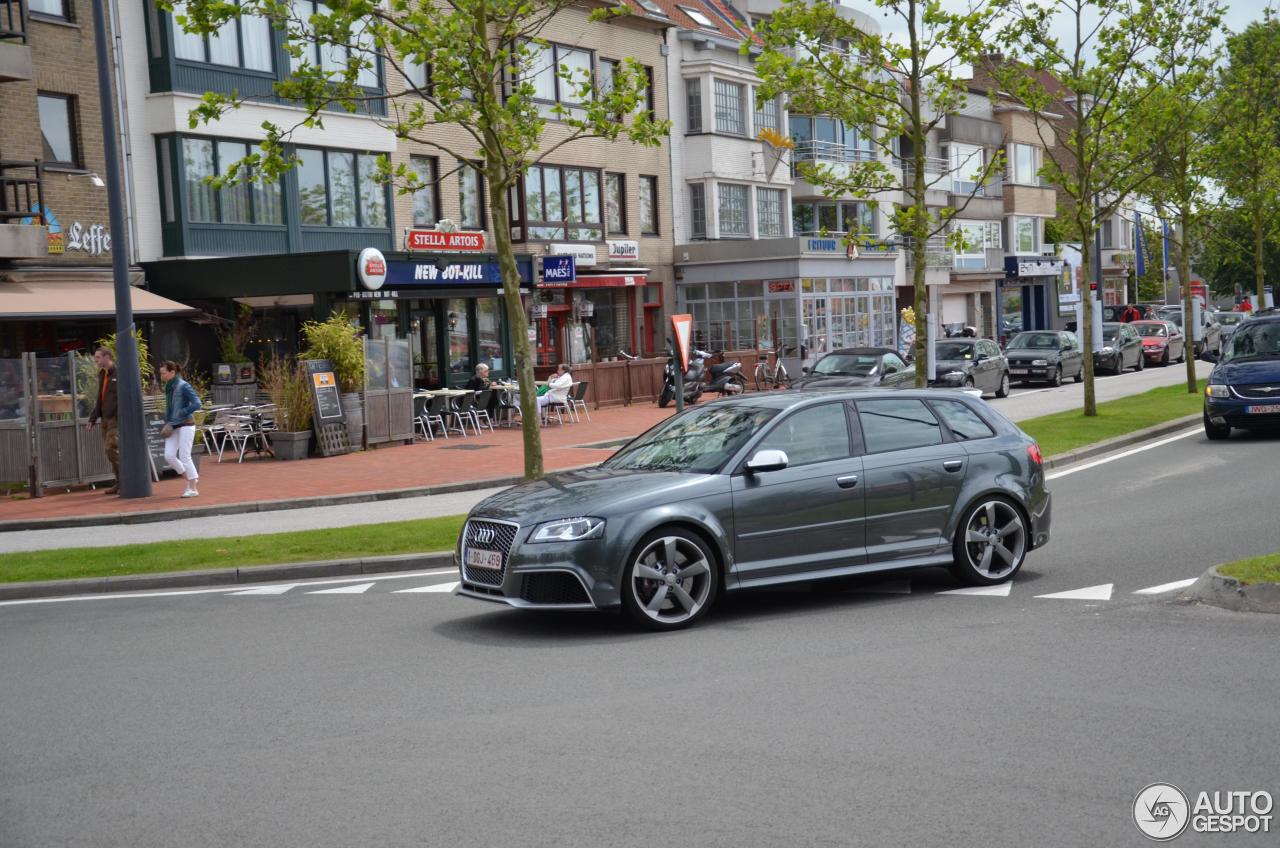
557	388
480	381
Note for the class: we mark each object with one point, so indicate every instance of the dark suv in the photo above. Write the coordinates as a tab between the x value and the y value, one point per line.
1244	388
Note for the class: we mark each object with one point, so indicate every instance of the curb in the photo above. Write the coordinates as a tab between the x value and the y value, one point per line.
226	576
1229	593
1109	445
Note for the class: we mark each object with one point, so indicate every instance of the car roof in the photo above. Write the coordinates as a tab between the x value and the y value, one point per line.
862	351
792	398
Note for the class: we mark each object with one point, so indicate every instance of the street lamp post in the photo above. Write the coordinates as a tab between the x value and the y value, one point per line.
135	480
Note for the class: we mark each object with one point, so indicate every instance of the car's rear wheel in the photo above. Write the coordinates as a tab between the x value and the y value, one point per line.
990	543
1216	432
1080	374
671	581
1003	391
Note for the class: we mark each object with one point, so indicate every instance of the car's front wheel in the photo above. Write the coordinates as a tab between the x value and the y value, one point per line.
1216	432
1003	391
990	543
671	581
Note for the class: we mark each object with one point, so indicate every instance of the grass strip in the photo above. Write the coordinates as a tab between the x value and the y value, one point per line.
1064	431
396	537
1263	569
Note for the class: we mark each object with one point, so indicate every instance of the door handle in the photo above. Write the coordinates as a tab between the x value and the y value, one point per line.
953	464
848	481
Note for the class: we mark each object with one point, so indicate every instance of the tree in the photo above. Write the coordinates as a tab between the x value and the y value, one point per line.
482	57
1226	258
900	92
1246	135
1174	123
1089	93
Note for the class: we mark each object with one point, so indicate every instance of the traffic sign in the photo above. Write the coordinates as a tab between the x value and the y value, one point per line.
683	327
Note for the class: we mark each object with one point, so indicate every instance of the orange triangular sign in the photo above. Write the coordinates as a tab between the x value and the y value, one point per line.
683	326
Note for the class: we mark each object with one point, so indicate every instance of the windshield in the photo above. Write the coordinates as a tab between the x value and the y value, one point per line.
1109	335
1152	329
847	365
954	350
1175	317
1034	341
698	441
1229	319
1254	341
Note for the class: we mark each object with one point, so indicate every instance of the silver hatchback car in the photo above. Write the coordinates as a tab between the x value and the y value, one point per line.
761	490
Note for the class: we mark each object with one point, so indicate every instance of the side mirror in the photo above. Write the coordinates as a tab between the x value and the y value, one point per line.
983	357
804	370
767	460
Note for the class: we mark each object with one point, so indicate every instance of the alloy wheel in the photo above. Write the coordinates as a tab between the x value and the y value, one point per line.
995	540
671	580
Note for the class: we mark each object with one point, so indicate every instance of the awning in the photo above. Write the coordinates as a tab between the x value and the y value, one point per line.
278	301
614	278
78	299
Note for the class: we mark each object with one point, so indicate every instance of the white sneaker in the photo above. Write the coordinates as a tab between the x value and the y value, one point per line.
190	492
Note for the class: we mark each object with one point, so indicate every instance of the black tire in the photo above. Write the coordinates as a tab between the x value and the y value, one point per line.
739	381
1142	361
1003	391
1164	360
1056	380
1215	432
760	383
639	592
782	381
963	550
666	397
1080	374
1182	357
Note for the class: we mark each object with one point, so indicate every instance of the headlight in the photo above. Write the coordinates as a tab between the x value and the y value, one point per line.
953	376
1217	391
568	530
1106	349
1039	362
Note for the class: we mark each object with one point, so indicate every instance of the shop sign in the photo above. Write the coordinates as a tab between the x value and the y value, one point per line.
781	286
559	269
426	273
386	294
371	268
93	239
822	245
1020	267
449	242
584	254
623	250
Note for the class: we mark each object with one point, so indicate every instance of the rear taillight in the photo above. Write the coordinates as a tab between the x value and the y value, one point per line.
1033	451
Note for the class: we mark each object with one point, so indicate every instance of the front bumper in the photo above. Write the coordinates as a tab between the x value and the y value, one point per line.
1154	354
1026	371
1234	412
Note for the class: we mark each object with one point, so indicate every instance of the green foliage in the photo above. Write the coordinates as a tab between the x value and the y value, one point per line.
1225	260
1263	569
336	340
144	354
234	337
285	381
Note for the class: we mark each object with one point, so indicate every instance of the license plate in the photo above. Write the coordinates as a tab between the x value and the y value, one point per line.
1265	409
1017	370
484	559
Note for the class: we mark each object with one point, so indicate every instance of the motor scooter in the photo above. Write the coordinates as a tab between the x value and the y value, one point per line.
692	379
725	379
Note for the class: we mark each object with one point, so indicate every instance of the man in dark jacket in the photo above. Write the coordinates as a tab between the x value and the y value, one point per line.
105	411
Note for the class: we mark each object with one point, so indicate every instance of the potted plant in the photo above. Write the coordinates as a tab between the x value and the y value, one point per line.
233	340
336	340
286	384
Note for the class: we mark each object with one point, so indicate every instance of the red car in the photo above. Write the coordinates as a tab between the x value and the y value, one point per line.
1162	341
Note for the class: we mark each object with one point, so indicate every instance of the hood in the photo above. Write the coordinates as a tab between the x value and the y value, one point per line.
818	381
1154	341
945	365
591	491
1247	373
1029	355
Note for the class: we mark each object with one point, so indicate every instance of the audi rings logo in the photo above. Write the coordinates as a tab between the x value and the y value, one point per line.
1161	812
485	536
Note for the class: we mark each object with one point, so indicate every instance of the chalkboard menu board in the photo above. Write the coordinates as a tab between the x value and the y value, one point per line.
330	423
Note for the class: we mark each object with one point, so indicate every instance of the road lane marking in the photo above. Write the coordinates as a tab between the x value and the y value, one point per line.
436	587
1095	463
1000	590
266	590
1166	587
358	589
1089	593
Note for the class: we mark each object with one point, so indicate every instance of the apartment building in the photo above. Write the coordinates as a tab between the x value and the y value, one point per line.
56	244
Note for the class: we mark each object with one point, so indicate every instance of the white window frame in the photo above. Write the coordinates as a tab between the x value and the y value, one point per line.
1016	172
742	122
721	195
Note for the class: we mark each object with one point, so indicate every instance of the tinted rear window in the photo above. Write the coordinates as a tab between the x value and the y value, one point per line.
965	424
889	425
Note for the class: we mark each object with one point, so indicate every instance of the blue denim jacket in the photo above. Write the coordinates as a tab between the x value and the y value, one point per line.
181	401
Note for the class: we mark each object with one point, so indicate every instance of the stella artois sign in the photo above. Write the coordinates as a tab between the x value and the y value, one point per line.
469	241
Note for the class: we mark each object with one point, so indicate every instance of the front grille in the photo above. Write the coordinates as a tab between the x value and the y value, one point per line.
553	587
487	536
1269	391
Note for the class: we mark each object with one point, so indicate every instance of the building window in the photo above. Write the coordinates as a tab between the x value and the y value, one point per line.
562	203
649	206
471	196
729	112
966	169
197	167
418	76
551	64
767	114
334	58
1023	164
615	204
699	18
1025	235
51	8
697	211
425	203
733	210
246	201
243	42
813	219
58	129
693	103
769	212
978	237
340	189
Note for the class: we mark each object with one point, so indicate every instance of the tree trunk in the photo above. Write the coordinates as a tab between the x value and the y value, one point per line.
516	320
918	208
1259	271
1184	274
1087	235
1087	248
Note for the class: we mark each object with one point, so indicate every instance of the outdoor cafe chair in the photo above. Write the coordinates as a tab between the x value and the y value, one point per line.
578	399
213	432
437	411
461	413
420	418
480	409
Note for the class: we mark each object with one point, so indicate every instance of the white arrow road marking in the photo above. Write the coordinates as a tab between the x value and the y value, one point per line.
438	587
357	589
1166	587
265	590
1000	590
1101	592
889	587
1149	446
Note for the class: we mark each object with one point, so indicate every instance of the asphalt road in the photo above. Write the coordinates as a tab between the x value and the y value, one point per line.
876	715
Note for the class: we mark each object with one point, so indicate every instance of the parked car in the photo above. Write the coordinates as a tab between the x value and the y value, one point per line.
856	366
971	363
1244	386
766	489
1121	349
1162	341
1210	336
1043	356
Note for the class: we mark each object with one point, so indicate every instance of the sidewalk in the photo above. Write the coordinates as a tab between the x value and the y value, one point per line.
456	462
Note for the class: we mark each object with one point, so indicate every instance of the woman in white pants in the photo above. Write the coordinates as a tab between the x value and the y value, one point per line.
557	388
181	403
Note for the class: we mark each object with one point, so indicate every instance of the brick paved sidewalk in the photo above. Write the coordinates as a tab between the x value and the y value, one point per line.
389	467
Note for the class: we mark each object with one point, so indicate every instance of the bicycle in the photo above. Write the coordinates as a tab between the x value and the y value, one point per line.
775	377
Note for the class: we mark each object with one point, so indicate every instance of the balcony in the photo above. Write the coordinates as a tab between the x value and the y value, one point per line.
23	235
937	254
815	150
937	178
15	55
